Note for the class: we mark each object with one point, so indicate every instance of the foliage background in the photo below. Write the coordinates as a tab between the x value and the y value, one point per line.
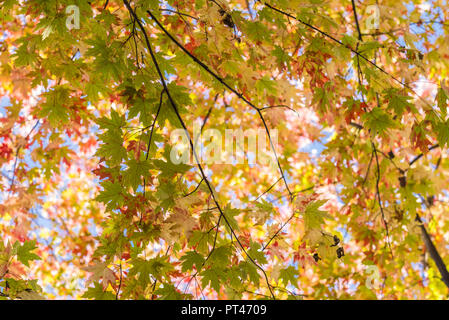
91	206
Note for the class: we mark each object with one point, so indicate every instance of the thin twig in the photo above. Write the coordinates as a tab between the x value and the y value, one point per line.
379	198
120	283
346	46
268	190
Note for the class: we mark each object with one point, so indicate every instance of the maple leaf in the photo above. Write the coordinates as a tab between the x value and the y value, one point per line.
211	277
314	217
419	139
115	122
262	213
314	236
303	255
178	222
136	170
191	259
378	121
443	133
256	252
220	256
249	270
399	103
169	292
5	255
289	275
112	147
100	271
442	100
30	295
98	293
157	267
111	195
24	253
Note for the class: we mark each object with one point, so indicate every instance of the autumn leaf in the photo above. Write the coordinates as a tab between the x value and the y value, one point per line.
24	253
100	271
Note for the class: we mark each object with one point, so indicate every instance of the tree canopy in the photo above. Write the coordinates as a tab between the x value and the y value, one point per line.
224	149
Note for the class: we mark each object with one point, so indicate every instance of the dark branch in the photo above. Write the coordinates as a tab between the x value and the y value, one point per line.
379	198
238	94
434	253
342	44
356	20
422	154
175	109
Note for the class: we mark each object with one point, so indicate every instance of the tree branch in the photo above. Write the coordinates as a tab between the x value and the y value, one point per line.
238	94
175	109
434	252
346	46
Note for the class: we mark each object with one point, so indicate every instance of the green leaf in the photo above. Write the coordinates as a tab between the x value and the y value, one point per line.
24	56
200	241
136	170
55	108
257	31
112	149
157	267
370	45
169	168
168	292
255	253
248	269
281	56
441	99
115	122
230	214
211	277
24	253
378	121
288	275
399	104
443	133
191	259
220	256
266	85
97	293
313	217
111	195
143	269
